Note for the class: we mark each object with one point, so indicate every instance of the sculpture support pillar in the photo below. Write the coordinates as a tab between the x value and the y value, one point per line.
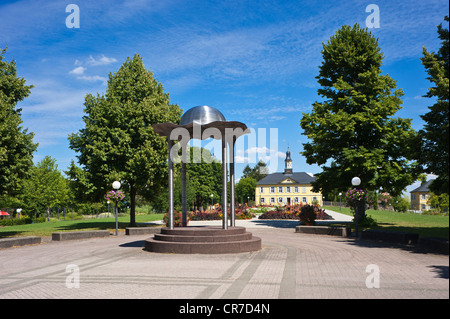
170	143
224	185
232	200
183	193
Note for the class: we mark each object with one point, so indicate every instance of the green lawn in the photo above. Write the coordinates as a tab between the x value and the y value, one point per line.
424	225
47	228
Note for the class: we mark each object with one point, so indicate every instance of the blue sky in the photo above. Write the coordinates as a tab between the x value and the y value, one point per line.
255	61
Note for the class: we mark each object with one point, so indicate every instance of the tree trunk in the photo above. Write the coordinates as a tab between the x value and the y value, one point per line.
132	205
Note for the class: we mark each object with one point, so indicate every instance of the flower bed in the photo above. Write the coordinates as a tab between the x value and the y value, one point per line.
208	215
304	212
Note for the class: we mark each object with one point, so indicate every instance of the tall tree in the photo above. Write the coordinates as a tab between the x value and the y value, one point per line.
46	187
258	172
434	152
354	131
118	141
16	143
245	189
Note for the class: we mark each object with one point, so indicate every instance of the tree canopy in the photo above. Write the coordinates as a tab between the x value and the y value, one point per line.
353	131
118	141
433	153
16	143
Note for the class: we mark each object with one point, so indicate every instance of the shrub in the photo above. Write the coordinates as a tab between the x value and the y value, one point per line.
177	219
308	215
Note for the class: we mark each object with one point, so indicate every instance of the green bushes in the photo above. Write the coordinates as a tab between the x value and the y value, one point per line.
20	221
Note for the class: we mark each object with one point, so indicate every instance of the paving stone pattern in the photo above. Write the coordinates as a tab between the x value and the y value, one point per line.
289	265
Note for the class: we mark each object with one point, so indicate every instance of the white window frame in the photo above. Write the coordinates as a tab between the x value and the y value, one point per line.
280	189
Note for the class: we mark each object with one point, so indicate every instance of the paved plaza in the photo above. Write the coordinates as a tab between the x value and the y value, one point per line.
289	265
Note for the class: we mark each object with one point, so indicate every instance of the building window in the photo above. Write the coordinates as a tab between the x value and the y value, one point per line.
295	199
296	189
424	207
314	199
262	201
304	200
261	189
272	189
280	199
288	189
280	189
272	200
423	196
304	189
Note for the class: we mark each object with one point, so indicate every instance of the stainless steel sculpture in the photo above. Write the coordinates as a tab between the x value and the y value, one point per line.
202	122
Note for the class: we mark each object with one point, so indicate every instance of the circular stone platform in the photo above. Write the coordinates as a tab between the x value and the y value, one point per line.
203	240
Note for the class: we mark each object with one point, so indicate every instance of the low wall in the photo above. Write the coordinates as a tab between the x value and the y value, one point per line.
59	236
19	241
142	230
324	230
390	236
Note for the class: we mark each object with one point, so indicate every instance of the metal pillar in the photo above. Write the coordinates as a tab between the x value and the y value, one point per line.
232	200
224	185
183	193
170	143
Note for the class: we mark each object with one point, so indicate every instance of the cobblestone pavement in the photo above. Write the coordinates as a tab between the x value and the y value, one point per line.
289	265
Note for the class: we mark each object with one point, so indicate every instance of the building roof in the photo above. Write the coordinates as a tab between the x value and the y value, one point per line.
423	188
277	178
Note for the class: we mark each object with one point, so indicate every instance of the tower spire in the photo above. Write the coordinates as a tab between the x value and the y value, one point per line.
288	163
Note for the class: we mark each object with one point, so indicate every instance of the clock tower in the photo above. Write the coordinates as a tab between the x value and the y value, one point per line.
288	163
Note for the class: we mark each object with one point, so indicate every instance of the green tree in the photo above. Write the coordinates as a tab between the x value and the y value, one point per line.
258	172
354	131
245	189
434	151
118	141
16	143
45	188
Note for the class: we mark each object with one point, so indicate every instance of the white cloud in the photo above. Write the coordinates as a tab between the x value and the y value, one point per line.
78	70
92	78
102	60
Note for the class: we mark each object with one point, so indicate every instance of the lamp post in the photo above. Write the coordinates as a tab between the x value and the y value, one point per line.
340	205
116	185
212	203
356	181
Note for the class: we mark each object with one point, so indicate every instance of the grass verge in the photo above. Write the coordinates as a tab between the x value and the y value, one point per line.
424	225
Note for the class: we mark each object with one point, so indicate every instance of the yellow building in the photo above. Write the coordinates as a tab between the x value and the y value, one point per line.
286	188
420	196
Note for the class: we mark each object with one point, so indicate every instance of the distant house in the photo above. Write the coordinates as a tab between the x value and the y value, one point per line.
286	188
420	196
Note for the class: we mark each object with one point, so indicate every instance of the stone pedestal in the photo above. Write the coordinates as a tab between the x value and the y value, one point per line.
203	240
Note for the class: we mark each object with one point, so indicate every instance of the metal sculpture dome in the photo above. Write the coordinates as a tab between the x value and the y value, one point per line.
202	115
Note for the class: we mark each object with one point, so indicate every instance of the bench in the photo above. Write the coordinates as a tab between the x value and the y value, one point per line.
59	236
142	230
324	230
19	241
